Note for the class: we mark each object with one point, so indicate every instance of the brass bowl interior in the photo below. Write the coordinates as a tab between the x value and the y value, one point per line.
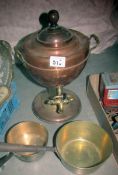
27	133
83	144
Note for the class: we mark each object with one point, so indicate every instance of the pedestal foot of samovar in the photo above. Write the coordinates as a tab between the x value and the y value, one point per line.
56	105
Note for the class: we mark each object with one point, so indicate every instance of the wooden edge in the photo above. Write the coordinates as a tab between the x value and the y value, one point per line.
93	95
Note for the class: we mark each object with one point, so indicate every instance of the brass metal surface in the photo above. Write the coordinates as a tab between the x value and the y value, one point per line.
59	99
83	146
28	133
49	112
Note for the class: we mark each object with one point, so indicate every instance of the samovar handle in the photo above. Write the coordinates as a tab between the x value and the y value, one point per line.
93	36
19	59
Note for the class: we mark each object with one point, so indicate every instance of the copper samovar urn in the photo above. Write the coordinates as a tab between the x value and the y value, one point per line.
54	56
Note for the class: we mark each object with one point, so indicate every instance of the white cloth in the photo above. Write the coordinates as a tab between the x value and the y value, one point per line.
19	18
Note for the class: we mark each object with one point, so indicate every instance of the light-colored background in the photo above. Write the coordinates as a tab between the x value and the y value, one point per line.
19	18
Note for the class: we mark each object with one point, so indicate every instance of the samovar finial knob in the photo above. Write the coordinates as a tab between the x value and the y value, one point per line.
53	17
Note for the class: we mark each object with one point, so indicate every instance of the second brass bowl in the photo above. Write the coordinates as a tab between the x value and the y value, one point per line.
28	133
83	146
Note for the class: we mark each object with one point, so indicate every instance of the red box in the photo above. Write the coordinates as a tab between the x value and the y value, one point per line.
108	88
109	100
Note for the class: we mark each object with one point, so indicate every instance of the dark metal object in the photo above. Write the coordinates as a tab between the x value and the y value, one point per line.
54	57
5	158
18	148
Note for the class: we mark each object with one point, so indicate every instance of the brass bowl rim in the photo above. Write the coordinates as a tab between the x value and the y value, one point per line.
23	122
82	121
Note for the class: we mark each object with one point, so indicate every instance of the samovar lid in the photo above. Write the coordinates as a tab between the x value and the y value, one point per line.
54	35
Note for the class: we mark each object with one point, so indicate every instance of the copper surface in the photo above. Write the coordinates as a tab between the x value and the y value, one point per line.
35	52
35	57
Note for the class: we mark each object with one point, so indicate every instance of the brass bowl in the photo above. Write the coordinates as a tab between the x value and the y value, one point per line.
28	133
83	146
